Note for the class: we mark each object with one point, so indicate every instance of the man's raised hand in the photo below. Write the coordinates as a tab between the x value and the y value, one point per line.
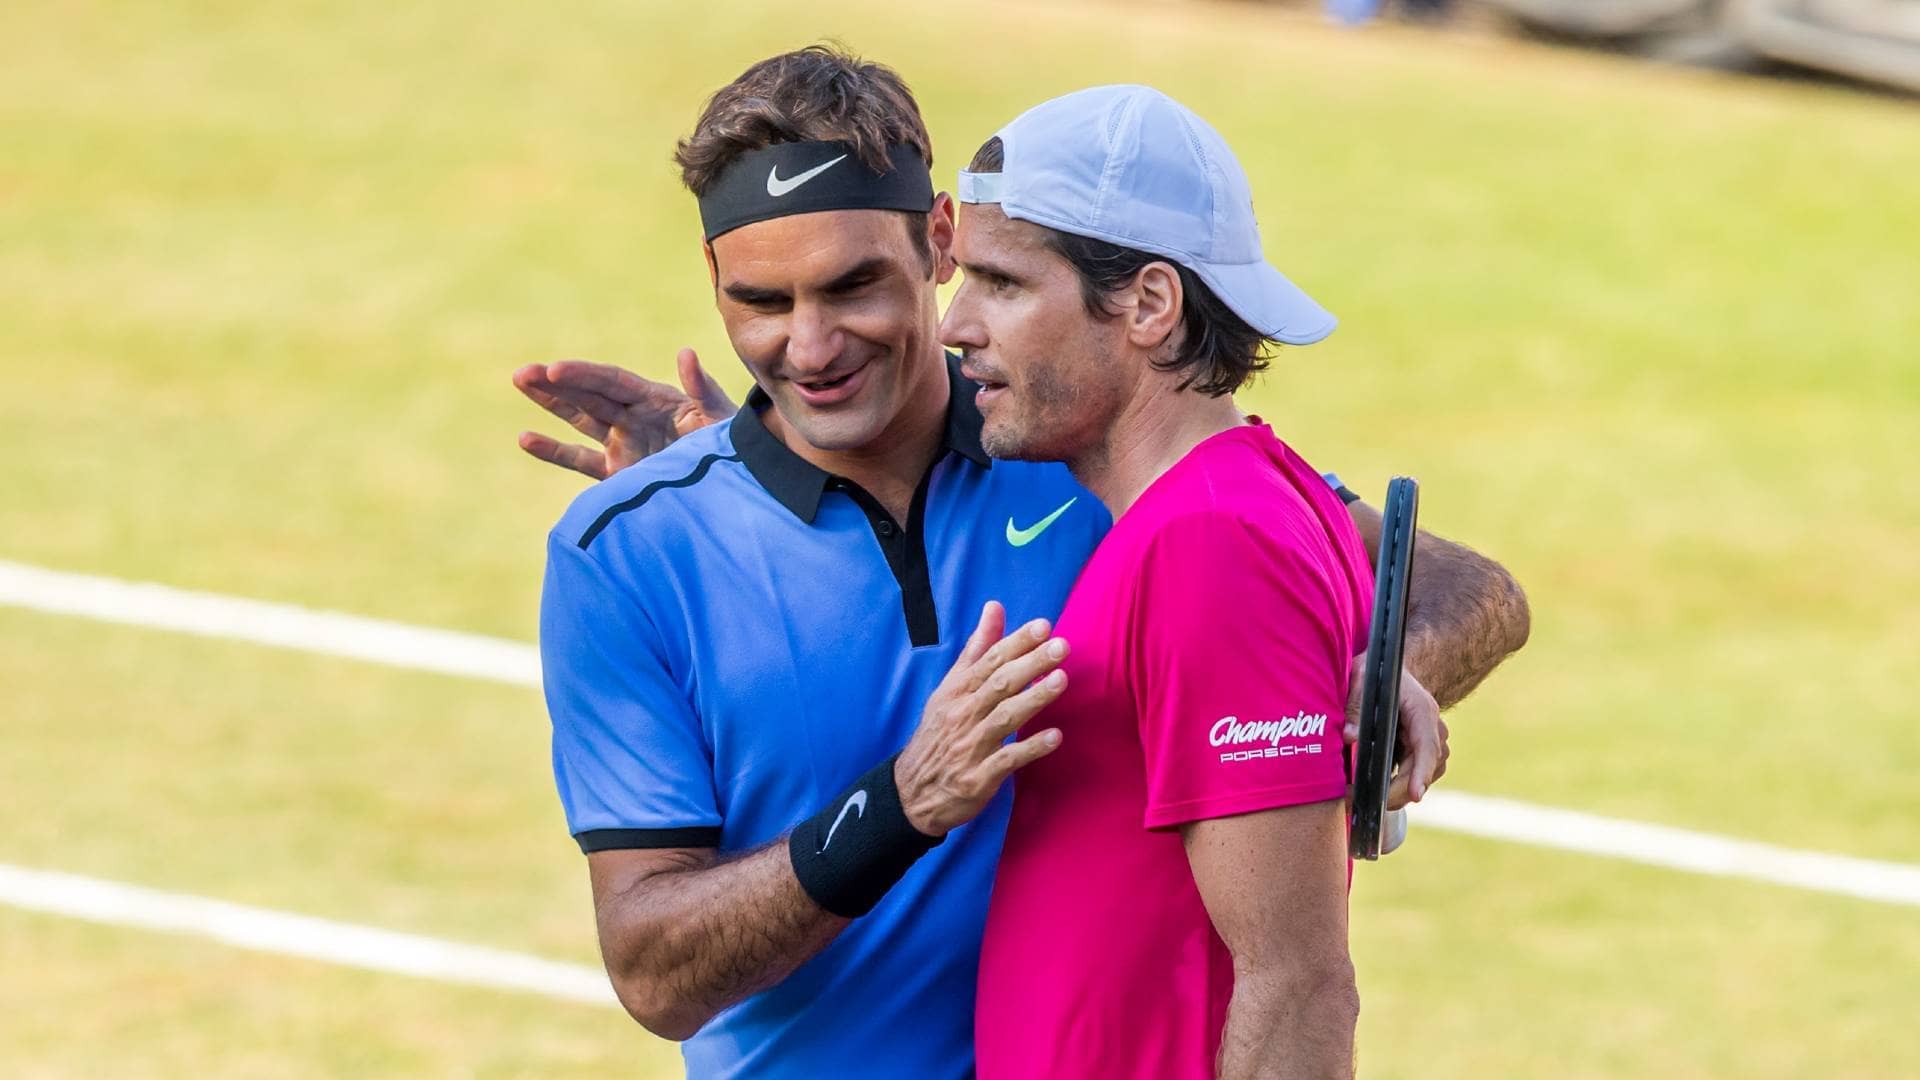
1421	757
960	756
628	416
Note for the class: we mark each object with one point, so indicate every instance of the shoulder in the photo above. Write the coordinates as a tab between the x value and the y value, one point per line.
1246	548
1249	485
1227	534
649	491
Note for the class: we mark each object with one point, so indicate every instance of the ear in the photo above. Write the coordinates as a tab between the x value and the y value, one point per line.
940	225
713	268
1158	302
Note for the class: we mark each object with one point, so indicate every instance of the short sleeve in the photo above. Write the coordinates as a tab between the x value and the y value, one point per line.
1240	672
629	758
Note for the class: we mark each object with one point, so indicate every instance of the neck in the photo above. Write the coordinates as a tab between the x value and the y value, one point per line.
1152	432
890	466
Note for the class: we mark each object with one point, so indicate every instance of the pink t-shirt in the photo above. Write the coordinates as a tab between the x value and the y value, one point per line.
1212	633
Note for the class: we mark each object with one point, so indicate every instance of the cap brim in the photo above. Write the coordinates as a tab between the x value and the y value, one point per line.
1268	301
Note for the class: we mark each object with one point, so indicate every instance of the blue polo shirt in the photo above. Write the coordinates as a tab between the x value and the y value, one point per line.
731	636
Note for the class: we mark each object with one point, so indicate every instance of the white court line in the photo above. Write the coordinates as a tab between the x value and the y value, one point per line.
162	607
262	930
1660	845
400	645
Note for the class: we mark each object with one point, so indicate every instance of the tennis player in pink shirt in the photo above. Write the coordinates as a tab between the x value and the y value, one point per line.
1172	898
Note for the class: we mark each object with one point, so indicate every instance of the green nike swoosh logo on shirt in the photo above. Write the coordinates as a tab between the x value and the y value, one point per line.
1023	537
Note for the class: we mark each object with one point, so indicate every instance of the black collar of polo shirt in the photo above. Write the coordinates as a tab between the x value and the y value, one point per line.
798	483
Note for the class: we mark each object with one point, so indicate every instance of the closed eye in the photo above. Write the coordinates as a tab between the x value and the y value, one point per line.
769	300
992	277
850	286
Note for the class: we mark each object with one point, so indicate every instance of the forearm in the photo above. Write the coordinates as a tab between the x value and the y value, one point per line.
683	944
1275	886
1293	1027
1465	613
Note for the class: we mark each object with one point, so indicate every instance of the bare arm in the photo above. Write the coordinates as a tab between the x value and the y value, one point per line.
1465	615
1275	885
684	935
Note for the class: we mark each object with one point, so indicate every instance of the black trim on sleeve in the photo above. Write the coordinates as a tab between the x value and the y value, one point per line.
606	516
1347	494
697	836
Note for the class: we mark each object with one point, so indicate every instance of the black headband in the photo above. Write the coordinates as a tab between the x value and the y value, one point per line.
808	177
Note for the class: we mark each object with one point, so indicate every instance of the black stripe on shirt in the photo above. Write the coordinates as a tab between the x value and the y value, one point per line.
606	516
697	836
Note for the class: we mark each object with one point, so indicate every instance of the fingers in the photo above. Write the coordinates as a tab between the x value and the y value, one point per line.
1012	713
1356	687
616	384
580	459
1017	755
1421	735
1401	791
1418	769
1015	644
1020	672
587	421
713	400
531	380
591	414
582	414
1397	790
992	624
693	381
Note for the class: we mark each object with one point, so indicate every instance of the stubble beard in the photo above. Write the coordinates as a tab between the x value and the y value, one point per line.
1044	427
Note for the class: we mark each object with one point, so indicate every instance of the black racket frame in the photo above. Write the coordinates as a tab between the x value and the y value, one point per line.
1380	684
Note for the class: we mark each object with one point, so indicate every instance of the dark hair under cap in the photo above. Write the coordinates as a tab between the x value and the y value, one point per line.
808	177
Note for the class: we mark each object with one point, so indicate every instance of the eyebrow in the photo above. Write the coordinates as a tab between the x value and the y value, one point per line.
858	274
987	269
748	294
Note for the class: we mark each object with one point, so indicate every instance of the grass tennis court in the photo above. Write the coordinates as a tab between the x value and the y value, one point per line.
1646	335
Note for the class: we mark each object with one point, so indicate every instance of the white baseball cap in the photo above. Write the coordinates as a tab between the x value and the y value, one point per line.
1133	167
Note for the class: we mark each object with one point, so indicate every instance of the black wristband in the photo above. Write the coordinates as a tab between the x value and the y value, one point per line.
848	855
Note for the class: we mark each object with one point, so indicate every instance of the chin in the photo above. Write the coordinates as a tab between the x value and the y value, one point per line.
836	432
1010	445
838	429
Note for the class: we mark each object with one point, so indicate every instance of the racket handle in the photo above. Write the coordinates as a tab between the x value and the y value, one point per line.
1393	830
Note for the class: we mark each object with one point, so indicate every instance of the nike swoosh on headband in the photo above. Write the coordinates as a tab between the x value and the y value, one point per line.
777	187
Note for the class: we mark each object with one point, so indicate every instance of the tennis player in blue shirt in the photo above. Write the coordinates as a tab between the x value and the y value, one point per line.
784	654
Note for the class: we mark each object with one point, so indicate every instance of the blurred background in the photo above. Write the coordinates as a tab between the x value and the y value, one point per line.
1632	287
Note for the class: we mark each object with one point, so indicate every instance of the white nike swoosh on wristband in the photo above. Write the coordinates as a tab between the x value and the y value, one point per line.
777	187
856	802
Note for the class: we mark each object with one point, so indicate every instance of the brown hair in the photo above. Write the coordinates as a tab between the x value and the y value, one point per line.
1218	354
819	93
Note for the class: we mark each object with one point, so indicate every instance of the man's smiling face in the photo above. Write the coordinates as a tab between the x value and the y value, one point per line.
834	313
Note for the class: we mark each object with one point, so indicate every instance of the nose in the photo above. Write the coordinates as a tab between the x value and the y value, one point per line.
814	342
961	328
